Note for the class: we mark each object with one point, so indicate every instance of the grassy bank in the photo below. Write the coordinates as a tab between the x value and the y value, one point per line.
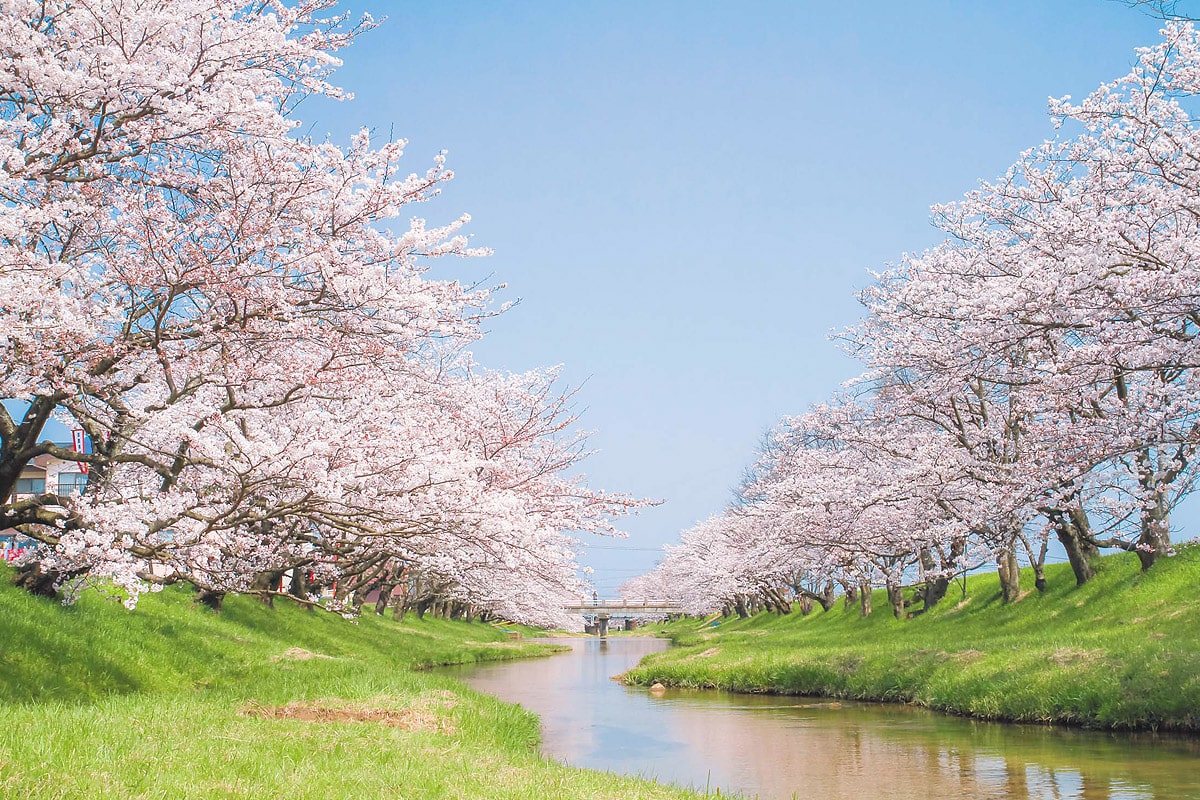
1122	651
174	701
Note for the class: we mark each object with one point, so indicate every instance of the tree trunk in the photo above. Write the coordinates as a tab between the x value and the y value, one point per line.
1009	570
1074	532
1038	561
864	598
827	597
850	596
740	606
806	605
41	583
895	595
211	598
399	608
10	473
934	591
385	597
782	604
1155	539
341	590
937	581
266	582
19	447
770	603
299	584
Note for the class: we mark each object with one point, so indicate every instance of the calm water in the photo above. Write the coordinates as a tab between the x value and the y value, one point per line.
783	747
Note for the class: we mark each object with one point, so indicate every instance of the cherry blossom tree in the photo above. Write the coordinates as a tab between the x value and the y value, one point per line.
1034	375
1082	261
272	382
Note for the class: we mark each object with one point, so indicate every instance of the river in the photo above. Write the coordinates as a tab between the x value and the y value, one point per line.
777	748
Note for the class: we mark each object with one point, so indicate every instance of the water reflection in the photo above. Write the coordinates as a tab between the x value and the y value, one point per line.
784	747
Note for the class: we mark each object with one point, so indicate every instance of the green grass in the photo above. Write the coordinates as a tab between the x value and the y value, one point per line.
1121	652
174	701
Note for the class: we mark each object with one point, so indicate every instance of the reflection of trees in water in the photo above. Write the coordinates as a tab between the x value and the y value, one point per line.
853	751
777	746
1016	773
811	754
573	694
1043	763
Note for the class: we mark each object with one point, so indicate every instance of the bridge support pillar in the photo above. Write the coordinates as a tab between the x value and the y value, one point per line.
602	625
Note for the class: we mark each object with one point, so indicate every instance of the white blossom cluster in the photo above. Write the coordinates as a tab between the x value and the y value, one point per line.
271	380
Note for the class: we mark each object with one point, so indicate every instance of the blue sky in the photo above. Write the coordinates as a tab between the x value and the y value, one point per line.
684	197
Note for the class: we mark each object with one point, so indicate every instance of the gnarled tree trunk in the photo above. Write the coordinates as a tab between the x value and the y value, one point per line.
1073	530
938	573
775	597
264	583
1009	570
37	581
827	597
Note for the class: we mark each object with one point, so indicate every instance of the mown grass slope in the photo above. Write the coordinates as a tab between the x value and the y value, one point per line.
174	701
1122	651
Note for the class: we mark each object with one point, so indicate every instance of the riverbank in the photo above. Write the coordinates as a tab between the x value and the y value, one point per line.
1120	652
174	701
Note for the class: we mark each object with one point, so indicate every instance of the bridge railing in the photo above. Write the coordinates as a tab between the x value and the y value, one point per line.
647	607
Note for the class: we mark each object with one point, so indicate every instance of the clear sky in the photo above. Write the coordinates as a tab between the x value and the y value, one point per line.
685	196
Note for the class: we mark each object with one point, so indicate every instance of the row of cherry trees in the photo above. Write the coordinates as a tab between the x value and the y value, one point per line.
271	380
1032	378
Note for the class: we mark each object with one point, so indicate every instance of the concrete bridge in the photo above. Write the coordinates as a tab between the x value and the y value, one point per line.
598	613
